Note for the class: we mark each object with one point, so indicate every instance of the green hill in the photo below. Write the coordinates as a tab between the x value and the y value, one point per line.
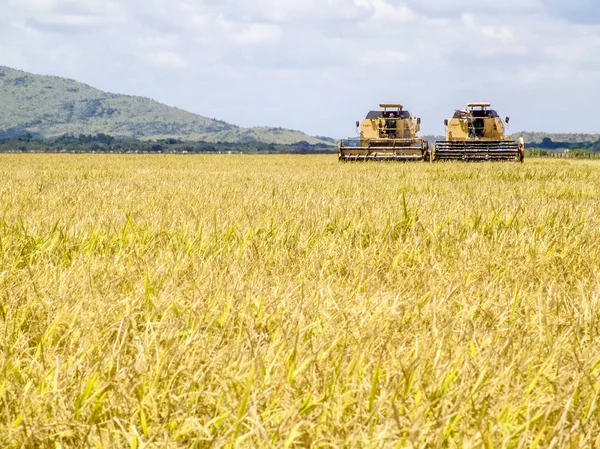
47	106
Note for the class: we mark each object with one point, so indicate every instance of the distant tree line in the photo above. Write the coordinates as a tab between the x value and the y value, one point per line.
537	138
103	143
548	144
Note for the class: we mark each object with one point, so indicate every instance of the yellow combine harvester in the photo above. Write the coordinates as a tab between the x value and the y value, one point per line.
387	134
476	133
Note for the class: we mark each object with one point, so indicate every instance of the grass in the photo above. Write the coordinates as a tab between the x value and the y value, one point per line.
293	301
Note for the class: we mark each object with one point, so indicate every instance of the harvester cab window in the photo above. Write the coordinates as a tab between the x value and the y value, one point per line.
476	127
476	116
389	122
390	125
485	114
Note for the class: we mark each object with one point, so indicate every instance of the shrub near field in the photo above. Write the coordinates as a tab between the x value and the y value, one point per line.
290	301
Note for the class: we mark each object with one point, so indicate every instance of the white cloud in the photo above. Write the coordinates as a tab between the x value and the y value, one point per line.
256	33
456	8
26	31
245	34
166	59
502	33
69	12
77	20
294	10
153	42
383	58
569	54
384	11
32	6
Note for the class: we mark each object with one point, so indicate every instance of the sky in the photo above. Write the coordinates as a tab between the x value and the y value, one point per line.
320	65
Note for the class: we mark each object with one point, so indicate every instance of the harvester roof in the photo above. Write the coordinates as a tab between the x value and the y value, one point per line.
478	105
391	105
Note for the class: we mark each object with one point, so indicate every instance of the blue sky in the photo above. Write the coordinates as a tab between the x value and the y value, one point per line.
319	65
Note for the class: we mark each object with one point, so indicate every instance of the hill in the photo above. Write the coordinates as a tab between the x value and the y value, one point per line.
47	106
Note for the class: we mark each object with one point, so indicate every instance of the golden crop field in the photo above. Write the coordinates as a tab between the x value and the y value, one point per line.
294	301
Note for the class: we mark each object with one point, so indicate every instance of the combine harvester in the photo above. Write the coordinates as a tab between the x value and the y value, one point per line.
477	134
386	135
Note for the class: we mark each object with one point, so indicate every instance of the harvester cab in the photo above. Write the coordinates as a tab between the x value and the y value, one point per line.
477	133
386	134
392	124
476	121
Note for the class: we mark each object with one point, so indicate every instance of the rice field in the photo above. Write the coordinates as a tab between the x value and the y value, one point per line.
294	301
